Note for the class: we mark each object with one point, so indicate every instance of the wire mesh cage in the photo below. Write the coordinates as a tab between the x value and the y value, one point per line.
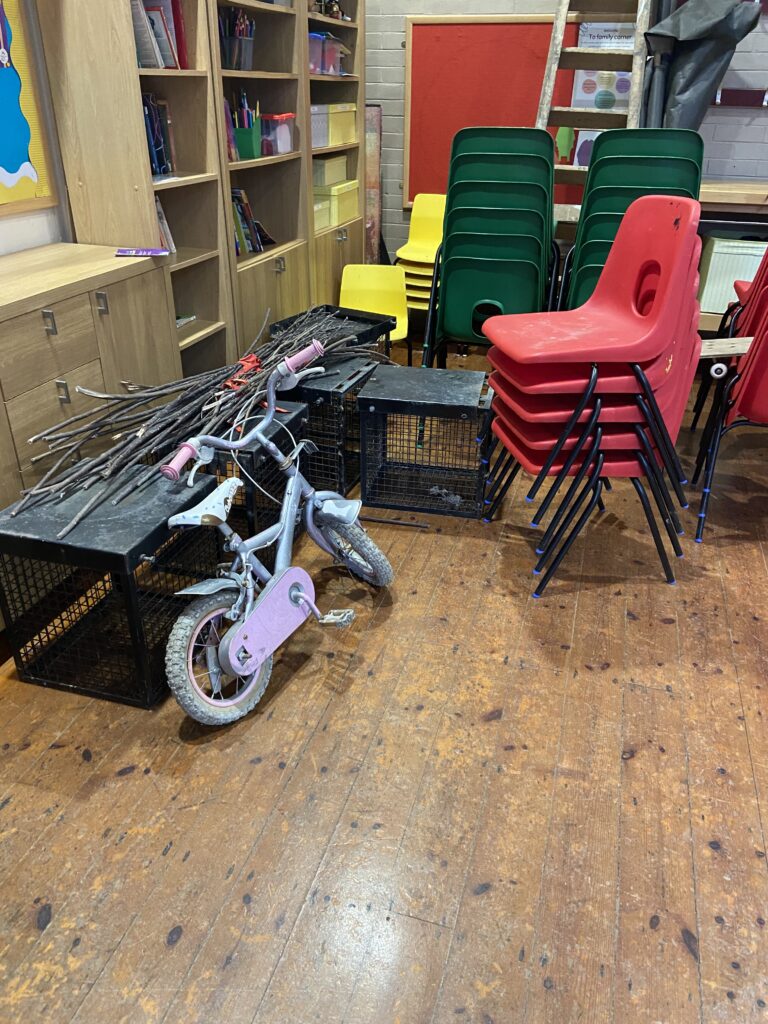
257	504
334	422
424	441
92	613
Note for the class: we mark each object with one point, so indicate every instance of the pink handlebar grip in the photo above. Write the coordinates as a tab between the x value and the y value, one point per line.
313	351
172	470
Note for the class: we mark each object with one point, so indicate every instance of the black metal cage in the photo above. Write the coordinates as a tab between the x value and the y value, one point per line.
92	612
334	422
365	328
424	440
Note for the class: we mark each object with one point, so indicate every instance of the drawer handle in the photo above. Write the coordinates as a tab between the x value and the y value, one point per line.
280	265
102	303
340	235
63	388
49	319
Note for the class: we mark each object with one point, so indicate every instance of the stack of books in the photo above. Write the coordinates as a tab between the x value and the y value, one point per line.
158	29
250	235
160	141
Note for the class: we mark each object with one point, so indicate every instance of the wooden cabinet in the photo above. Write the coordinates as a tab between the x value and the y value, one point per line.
134	330
73	315
334	249
278	285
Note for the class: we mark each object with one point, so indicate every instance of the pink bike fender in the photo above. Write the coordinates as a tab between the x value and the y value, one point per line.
274	618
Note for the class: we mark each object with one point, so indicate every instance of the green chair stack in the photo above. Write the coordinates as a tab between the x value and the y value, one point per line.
626	163
497	232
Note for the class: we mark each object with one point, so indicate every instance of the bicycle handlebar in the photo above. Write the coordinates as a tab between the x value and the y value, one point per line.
313	351
172	470
191	449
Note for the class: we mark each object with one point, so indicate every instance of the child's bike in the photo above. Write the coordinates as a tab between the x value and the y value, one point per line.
219	654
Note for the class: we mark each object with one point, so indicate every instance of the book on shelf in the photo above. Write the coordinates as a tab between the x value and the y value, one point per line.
159	33
162	34
166	238
250	235
160	141
233	153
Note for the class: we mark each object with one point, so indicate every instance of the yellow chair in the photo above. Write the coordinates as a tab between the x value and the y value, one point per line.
425	232
377	289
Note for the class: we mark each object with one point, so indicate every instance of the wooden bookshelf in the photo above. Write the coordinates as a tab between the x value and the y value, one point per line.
100	119
334	246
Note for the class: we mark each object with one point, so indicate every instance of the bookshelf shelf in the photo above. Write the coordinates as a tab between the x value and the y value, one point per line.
256	258
256	5
323	19
341	148
188	256
263	161
275	76
171	73
198	331
334	78
180	180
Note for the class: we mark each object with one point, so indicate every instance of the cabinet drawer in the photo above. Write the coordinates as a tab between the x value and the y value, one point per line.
43	345
39	408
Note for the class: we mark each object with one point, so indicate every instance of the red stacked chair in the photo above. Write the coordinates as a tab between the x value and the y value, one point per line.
742	400
599	391
743	316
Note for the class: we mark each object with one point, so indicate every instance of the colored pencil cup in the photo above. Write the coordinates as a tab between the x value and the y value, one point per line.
249	141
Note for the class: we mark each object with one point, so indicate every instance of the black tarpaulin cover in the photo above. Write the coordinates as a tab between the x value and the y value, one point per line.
701	37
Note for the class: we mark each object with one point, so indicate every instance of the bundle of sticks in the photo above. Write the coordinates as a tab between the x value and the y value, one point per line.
115	448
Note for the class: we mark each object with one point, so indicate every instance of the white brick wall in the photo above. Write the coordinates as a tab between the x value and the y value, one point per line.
738	155
736	138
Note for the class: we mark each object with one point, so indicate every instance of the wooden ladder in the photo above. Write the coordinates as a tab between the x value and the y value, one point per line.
636	12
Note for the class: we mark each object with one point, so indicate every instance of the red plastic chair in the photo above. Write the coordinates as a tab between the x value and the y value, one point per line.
742	402
636	301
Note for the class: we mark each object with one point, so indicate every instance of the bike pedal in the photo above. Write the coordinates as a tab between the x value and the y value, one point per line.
339	617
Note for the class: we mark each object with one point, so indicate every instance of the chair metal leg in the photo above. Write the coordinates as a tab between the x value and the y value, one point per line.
554	273
570	515
607	484
654	530
570	460
662	448
701	395
562	508
661	505
658	474
566	278
501	493
672	457
712	424
430	327
497	474
565	434
712	453
569	540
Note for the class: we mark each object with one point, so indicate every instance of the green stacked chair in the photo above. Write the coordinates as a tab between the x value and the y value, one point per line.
626	163
497	233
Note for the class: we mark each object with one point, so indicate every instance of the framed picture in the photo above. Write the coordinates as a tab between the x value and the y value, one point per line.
25	175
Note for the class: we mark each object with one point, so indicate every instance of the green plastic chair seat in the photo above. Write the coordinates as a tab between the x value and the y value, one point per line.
492	220
649	142
638	171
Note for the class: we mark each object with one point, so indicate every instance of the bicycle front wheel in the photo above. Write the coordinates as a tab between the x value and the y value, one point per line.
353	547
199	683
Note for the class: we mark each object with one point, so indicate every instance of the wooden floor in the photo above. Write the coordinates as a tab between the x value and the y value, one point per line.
471	806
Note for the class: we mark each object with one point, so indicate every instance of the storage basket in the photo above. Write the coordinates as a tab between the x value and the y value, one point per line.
92	612
723	261
419	440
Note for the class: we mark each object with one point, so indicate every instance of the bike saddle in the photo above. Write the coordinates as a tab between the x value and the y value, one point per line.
211	511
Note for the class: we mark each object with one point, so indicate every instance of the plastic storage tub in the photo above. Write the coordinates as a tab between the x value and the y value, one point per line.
316	53
329	170
343	198
277	134
723	261
342	124
319	121
322	214
333	52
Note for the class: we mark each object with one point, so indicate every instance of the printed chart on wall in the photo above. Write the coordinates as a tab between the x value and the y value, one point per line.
25	181
462	71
